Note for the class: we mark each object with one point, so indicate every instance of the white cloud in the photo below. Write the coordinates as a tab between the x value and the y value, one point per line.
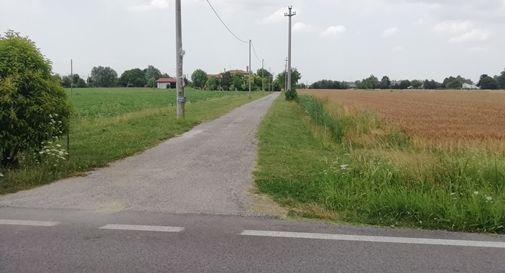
462	31
302	27
390	32
334	31
150	5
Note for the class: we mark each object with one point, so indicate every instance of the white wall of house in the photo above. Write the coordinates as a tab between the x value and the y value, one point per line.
163	85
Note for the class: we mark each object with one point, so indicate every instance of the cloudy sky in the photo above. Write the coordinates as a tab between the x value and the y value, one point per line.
333	39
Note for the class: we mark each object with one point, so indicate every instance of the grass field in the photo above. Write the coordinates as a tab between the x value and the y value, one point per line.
110	124
344	157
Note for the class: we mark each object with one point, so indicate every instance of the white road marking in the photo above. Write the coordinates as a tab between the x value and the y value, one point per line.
373	239
143	228
28	223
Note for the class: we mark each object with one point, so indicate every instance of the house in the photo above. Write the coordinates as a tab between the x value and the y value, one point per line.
166	83
468	86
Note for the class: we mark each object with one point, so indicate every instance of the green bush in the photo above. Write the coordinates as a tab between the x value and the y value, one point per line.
33	106
291	95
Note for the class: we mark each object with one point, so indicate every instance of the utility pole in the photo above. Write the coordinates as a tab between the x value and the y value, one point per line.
290	14
181	99
271	80
286	76
71	91
262	74
250	69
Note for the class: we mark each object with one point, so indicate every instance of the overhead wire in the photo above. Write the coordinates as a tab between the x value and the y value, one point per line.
224	24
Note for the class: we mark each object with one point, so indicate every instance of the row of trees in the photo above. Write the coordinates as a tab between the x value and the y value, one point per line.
239	81
107	77
372	82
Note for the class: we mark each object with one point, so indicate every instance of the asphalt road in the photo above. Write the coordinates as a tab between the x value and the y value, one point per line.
184	207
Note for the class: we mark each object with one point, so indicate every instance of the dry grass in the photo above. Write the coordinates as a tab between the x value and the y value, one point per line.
454	118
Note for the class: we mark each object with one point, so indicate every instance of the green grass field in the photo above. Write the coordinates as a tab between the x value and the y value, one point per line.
110	124
315	163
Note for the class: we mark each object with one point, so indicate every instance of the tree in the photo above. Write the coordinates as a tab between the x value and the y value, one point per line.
238	82
405	84
416	84
213	83
152	74
385	83
501	80
455	82
199	78
328	84
103	77
431	85
133	78
76	81
370	83
487	82
226	80
295	77
33	106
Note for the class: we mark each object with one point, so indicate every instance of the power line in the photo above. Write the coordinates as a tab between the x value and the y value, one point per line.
224	24
256	53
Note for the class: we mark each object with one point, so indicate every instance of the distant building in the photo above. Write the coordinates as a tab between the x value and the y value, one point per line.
468	86
166	83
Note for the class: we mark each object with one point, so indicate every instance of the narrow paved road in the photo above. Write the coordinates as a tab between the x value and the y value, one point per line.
184	207
207	170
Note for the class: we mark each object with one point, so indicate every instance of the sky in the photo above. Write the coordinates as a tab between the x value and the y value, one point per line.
332	39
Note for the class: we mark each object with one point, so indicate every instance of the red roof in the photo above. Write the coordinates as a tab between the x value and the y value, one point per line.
167	80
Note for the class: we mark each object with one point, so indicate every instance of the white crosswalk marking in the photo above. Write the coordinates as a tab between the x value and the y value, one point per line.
143	228
28	223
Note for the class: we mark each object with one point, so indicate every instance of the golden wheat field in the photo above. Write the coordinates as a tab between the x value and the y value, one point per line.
431	115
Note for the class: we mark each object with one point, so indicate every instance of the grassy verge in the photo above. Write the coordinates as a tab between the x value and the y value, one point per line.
323	161
117	126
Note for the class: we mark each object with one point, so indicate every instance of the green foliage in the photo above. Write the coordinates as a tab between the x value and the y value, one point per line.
291	95
199	78
33	107
487	82
416	84
213	83
133	78
75	81
280	80
226	80
455	82
370	83
328	84
501	80
239	83
152	74
103	77
431	84
385	83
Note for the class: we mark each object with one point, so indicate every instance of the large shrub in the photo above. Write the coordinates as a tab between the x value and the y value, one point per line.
33	105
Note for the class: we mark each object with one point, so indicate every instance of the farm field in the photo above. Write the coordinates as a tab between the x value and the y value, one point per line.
434	115
110	124
388	158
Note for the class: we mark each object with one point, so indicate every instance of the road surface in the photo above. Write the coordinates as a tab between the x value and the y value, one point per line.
185	206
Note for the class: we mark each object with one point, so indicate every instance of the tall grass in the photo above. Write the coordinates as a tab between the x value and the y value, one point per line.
375	174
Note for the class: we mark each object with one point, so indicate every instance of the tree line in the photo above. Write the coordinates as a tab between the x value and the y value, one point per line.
107	77
372	82
239	80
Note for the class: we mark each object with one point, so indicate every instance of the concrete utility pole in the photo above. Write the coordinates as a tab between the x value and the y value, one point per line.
286	76
181	99
262	74
250	69
290	14
271	80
